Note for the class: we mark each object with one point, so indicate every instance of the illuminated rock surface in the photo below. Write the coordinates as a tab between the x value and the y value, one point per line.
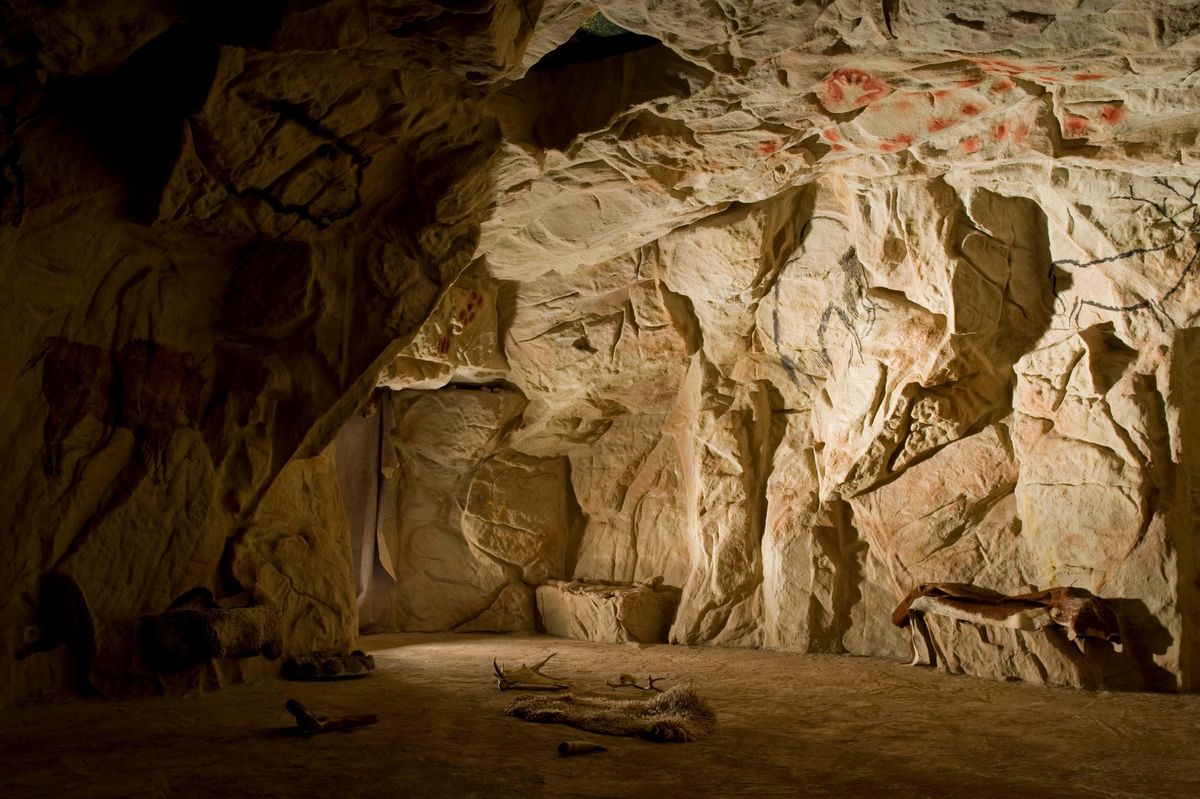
793	304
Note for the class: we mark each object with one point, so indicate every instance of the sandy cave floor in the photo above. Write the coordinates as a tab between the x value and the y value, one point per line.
788	725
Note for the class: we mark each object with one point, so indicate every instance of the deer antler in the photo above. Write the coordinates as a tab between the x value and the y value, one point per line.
629	681
527	678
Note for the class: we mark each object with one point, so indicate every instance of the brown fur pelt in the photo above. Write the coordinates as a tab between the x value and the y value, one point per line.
185	637
677	714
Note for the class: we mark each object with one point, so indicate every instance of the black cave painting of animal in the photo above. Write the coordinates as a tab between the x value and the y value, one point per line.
1177	210
854	307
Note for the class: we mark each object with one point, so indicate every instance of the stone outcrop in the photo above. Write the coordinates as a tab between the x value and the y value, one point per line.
795	304
616	613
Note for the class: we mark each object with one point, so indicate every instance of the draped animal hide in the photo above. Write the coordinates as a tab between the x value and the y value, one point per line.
1082	613
678	714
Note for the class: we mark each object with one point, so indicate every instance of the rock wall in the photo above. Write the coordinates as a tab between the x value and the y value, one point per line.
795	304
851	296
216	227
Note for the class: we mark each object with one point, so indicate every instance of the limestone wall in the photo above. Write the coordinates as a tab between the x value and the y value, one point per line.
796	304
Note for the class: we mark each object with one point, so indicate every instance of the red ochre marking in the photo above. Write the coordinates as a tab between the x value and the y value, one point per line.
868	87
939	123
1077	127
900	141
970	145
969	83
1089	76
1000	132
1011	68
1003	86
768	147
942	94
838	148
994	63
1112	114
831	134
970	109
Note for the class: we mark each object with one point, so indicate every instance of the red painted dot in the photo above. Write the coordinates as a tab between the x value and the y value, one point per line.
970	145
1112	114
939	123
1003	86
970	109
1000	131
767	147
838	148
831	134
1077	127
942	94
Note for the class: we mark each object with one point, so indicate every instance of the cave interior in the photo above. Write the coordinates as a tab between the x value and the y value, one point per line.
364	354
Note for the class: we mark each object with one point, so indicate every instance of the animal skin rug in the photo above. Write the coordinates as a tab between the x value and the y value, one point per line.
1084	614
677	714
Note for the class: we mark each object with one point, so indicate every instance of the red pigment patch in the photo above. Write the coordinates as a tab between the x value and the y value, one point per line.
143	386
969	83
1000	132
939	123
996	65
77	382
904	139
767	147
969	109
1077	127
466	315
1089	76
838	148
942	94
1112	114
1019	133
970	145
160	386
848	88
831	134
1002	86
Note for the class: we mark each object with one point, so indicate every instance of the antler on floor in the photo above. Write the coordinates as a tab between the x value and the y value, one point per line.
527	678
629	681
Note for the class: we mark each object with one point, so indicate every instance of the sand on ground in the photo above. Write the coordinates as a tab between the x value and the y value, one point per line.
788	725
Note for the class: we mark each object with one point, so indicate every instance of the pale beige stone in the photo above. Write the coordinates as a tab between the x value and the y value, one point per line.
614	613
795	306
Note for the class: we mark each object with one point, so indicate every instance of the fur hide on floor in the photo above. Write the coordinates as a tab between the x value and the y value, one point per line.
677	714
